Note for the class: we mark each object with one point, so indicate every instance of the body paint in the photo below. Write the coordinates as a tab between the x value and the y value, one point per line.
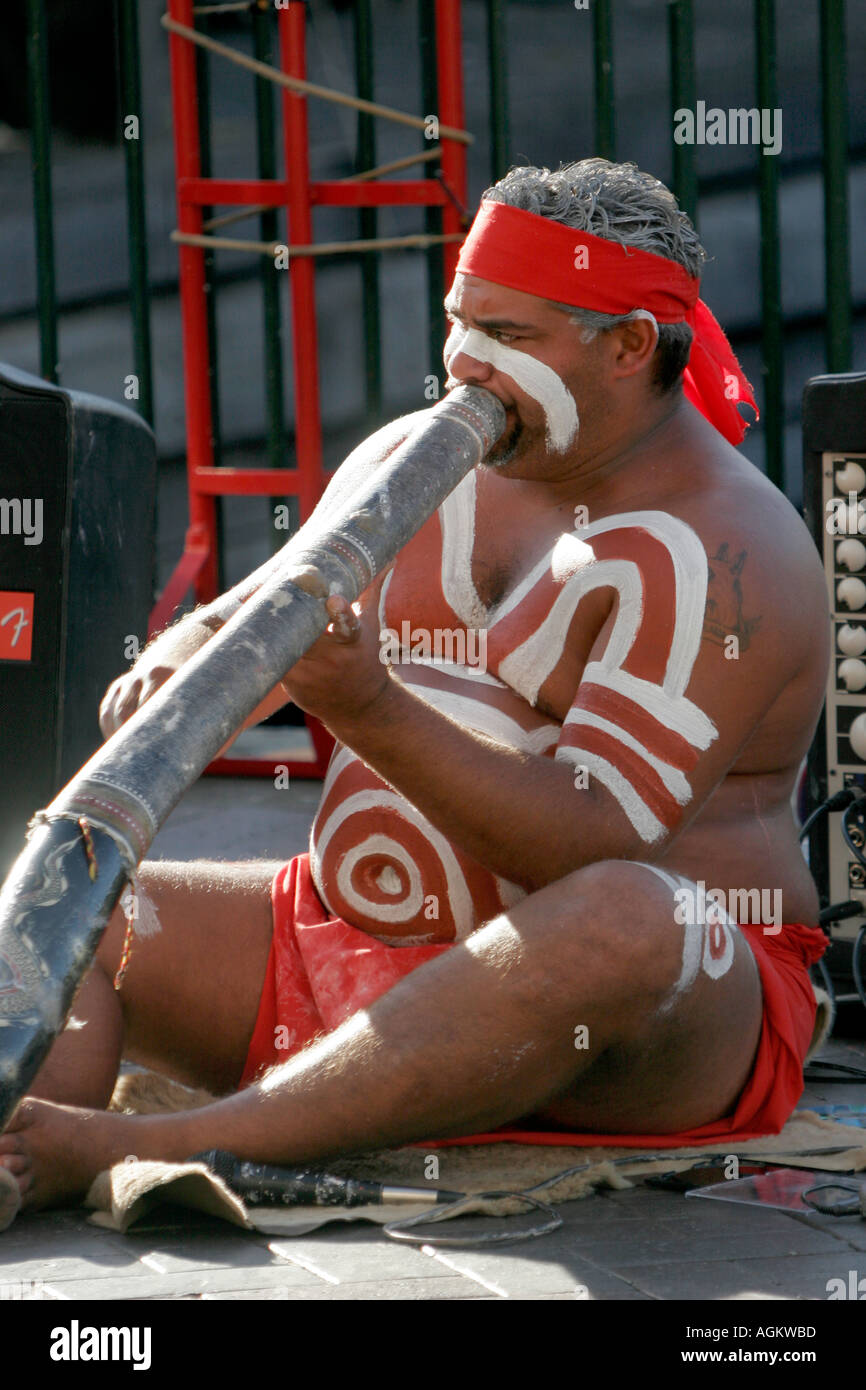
538	380
708	943
631	724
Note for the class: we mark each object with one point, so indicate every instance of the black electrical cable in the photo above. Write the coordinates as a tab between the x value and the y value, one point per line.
837	802
847	1206
839	1073
855	849
838	912
403	1229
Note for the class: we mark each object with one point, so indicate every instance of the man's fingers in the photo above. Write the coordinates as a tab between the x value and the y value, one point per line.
127	696
111	711
345	625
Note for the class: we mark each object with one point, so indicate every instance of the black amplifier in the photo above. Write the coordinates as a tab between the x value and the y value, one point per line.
834	487
77	551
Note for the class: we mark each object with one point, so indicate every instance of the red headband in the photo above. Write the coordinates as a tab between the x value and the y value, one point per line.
539	256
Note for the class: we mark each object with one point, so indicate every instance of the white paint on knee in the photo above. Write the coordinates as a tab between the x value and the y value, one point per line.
708	936
538	380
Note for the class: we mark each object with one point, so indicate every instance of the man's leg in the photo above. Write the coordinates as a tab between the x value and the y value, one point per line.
188	1001
484	1034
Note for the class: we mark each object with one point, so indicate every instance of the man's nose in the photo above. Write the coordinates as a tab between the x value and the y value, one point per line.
461	364
468	370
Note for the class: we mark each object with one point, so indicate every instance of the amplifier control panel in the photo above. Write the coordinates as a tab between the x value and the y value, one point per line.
844	551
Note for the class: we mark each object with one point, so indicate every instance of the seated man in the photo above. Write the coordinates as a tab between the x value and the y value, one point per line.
501	918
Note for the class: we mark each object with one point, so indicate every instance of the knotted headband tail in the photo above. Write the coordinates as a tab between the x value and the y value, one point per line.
539	256
714	381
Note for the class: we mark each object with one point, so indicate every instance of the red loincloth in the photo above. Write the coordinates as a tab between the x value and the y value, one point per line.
322	970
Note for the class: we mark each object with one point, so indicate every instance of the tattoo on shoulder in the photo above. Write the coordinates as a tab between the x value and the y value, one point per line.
724	617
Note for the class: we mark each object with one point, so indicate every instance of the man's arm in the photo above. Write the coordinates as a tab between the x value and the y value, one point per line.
529	818
170	649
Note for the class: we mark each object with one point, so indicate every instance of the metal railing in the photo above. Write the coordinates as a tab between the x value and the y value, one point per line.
830	16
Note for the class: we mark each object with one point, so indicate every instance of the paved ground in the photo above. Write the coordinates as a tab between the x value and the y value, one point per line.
640	1244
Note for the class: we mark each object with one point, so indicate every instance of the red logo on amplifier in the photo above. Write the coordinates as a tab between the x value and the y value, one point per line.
16	626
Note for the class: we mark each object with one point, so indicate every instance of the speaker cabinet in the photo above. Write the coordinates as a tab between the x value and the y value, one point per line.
77	555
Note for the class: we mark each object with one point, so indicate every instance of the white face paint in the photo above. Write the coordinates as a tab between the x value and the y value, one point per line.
535	378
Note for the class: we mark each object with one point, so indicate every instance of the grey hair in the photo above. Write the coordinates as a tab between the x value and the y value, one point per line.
621	203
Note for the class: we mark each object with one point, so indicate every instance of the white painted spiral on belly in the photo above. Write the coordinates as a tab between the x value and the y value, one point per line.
409	903
379	864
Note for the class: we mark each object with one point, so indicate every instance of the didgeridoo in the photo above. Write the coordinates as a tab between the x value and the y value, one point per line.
83	849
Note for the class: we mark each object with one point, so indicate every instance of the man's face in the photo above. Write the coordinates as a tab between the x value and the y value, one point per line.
529	355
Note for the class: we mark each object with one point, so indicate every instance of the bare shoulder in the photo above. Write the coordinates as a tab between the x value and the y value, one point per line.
765	582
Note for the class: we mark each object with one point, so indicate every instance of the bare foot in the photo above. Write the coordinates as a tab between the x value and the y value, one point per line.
55	1151
10	1193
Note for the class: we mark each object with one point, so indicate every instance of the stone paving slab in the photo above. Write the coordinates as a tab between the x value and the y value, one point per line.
183	1284
786	1276
346	1259
540	1273
664	1244
406	1290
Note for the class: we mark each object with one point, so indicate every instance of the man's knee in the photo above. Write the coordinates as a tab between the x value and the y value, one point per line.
625	923
611	925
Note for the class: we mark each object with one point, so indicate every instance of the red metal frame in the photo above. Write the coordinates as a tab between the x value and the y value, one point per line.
197	568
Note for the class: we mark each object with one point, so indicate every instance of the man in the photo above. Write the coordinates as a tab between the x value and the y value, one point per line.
500	921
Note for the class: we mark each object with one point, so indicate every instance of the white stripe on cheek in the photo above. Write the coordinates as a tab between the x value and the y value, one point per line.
535	378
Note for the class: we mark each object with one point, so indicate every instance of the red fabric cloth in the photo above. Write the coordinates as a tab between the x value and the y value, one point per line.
322	970
537	255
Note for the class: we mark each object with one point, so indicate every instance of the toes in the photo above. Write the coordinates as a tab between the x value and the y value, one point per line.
10	1198
23	1118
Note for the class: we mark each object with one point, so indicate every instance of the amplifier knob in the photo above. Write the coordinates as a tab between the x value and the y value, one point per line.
851	478
852	592
857	736
853	674
852	639
851	554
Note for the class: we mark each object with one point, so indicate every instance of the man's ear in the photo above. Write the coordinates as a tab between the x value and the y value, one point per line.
633	343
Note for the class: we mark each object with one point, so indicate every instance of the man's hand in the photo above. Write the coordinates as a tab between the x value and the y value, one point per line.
156	664
341	677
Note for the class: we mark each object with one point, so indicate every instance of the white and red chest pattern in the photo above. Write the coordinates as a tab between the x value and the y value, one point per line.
377	862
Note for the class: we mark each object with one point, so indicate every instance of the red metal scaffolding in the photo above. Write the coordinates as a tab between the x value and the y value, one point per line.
300	195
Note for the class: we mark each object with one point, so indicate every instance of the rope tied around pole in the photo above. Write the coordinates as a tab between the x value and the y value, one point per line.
415	241
313	89
89	848
249	6
126	953
142	918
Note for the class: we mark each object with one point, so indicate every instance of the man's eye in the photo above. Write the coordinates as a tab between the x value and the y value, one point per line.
500	337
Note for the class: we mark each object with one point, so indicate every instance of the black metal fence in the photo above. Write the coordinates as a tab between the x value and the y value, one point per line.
830	18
